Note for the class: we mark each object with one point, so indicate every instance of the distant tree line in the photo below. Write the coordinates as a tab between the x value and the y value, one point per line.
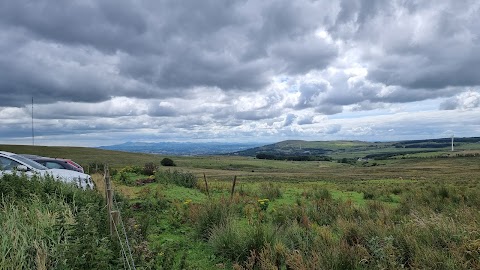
434	143
423	145
293	157
383	156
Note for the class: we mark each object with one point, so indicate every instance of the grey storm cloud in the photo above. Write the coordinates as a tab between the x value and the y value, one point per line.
89	51
210	66
153	48
415	44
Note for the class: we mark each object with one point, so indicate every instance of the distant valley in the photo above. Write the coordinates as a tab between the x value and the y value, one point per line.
309	150
182	148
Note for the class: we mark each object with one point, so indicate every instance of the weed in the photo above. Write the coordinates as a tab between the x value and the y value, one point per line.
269	190
210	215
184	179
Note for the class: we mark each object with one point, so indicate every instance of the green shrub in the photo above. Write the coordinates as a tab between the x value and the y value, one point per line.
95	167
149	168
167	162
318	193
152	199
367	195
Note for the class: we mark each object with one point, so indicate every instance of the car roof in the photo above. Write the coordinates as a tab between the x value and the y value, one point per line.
50	159
30	156
7	153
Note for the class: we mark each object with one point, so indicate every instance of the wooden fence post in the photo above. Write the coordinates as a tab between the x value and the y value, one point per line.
233	186
109	199
206	184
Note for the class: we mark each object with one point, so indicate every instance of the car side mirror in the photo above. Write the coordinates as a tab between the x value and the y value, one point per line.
22	168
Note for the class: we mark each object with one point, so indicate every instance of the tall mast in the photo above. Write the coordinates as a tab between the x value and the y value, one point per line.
33	134
452	142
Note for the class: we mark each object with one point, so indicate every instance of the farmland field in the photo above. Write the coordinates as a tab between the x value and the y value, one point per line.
394	213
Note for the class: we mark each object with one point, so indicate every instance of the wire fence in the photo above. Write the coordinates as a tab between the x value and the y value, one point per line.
116	221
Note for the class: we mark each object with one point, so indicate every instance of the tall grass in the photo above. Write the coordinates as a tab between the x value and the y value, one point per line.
269	191
433	227
47	224
184	179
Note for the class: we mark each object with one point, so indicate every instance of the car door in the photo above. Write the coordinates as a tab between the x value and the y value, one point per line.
8	166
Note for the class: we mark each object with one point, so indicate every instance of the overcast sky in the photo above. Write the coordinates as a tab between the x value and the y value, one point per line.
106	71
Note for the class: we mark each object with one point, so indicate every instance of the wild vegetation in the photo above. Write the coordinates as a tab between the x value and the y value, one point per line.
46	224
417	213
362	223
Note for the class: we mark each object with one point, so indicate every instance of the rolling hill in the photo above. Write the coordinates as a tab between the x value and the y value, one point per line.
359	149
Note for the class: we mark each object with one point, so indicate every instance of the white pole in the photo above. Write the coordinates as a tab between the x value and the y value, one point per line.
452	143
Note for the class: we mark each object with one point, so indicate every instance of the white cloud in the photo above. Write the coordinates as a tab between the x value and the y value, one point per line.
239	70
463	101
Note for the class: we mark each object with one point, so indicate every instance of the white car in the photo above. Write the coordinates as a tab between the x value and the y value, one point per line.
11	163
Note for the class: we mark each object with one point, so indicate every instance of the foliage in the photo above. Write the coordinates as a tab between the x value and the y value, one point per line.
46	224
128	175
184	179
149	168
206	216
293	157
95	167
351	161
269	190
263	204
167	162
236	242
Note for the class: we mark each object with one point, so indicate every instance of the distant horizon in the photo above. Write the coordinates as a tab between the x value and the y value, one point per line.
239	142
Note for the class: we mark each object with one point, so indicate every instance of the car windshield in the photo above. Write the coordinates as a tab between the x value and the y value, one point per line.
30	162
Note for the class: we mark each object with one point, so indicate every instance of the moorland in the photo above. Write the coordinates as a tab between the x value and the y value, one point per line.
368	205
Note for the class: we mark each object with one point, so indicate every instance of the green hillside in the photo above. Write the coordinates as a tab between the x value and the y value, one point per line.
85	155
359	149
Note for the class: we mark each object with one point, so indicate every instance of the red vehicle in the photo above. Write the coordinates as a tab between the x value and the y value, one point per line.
56	163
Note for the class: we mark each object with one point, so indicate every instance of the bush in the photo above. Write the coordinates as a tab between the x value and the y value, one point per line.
149	168
167	162
95	167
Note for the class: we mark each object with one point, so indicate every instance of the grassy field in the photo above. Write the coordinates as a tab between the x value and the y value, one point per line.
419	212
85	155
405	213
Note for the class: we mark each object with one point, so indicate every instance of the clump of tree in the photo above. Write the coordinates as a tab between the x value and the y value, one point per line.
293	157
167	162
351	161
